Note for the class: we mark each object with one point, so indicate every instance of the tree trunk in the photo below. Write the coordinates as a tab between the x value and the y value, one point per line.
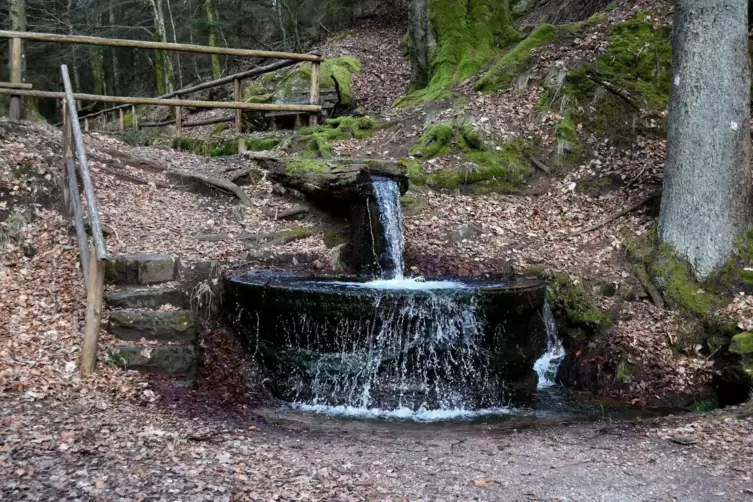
706	202
456	39
212	21
175	40
114	53
421	43
17	13
163	64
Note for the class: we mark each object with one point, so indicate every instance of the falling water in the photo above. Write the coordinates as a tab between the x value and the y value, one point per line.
548	364
387	195
423	356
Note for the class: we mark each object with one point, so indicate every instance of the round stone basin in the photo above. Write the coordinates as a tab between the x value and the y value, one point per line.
435	342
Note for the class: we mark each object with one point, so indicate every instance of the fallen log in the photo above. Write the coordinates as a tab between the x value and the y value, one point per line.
212	181
333	184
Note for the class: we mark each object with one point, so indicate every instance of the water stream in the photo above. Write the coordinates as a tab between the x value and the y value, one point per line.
387	195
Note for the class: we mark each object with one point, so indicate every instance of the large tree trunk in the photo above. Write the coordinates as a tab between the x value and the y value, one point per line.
456	39
212	21
163	64
706	203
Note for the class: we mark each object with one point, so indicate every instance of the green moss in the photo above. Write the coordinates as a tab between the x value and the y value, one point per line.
412	204
298	165
571	301
467	36
501	75
435	142
404	46
674	278
344	35
316	140
262	144
415	172
742	344
626	371
212	147
633	74
219	128
334	239
295	234
340	69
704	405
576	28
503	168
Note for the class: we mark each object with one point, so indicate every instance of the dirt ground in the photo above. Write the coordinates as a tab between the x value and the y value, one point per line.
98	450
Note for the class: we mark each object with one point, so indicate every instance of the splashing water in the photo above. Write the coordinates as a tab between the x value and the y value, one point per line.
387	195
548	364
423	355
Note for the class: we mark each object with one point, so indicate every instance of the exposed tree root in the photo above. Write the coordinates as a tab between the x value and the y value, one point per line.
619	214
212	181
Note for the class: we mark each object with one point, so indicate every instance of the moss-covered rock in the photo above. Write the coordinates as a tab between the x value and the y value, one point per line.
624	92
334	239
211	147
316	140
674	278
412	204
582	316
285	85
742	344
262	144
510	65
499	168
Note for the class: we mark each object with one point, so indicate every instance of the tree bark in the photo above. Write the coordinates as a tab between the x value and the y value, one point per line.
163	63
706	202
421	43
212	21
17	61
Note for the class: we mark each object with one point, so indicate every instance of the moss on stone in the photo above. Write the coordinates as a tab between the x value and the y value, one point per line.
742	344
412	204
577	27
262	144
626	371
295	234
285	85
334	239
211	147
316	140
578	308
415	172
298	165
435	142
605	95
503	72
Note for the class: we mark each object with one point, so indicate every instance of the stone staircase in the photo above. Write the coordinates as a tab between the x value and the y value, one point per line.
149	313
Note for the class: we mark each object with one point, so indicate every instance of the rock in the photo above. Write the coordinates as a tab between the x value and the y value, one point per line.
607	289
333	185
171	359
141	269
338	258
742	344
134	298
175	326
464	233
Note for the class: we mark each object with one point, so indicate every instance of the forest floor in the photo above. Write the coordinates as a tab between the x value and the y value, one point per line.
119	436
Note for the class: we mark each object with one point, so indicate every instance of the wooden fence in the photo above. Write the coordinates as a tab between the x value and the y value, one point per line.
16	88
94	257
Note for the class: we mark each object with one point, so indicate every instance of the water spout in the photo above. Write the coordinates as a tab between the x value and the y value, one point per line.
387	195
548	364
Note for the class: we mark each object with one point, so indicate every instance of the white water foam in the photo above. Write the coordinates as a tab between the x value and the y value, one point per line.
421	415
548	364
415	283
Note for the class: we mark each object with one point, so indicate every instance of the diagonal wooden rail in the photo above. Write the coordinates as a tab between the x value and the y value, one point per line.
94	256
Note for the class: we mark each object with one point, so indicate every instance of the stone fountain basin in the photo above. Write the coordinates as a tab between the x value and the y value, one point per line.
294	322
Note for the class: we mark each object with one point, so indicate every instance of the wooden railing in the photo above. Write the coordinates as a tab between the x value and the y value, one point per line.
94	256
16	89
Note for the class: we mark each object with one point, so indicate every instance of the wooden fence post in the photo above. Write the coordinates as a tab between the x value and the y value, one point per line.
86	125
67	209
134	118
314	118
178	120
122	120
94	293
16	74
239	115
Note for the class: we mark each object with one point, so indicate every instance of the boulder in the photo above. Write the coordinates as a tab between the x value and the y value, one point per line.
169	359
174	326
141	269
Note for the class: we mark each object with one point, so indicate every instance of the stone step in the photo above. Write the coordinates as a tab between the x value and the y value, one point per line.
170	326
142	269
165	359
146	298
